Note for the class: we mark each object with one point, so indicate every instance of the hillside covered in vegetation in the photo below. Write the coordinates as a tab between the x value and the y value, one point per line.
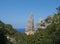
50	35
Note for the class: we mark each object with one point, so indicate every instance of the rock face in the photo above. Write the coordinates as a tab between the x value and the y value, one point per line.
30	25
31	29
41	24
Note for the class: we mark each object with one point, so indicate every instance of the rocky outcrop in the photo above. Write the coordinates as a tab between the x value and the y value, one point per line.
41	24
30	25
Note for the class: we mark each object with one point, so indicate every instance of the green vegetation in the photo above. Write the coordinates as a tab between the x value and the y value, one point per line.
50	35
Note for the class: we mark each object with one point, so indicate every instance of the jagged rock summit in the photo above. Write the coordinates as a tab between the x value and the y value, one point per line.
30	25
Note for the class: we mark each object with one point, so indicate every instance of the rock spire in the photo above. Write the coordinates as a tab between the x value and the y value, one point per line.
30	25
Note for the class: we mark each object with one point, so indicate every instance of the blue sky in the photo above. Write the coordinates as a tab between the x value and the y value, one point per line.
16	12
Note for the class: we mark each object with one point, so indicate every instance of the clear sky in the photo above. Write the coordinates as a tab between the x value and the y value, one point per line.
16	12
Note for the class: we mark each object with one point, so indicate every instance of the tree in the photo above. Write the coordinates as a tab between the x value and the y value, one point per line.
58	9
